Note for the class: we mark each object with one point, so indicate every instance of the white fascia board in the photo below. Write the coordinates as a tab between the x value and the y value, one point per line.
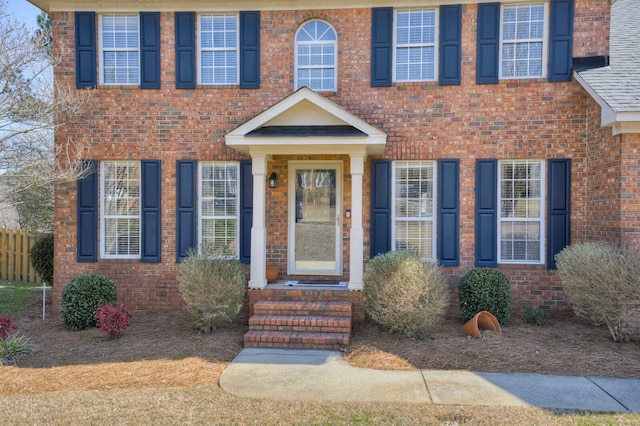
294	99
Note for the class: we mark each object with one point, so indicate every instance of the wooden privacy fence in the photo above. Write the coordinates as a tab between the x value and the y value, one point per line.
15	264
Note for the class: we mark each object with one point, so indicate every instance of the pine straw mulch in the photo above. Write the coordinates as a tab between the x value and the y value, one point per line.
567	346
163	349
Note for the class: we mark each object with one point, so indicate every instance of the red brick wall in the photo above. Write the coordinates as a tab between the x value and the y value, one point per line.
513	119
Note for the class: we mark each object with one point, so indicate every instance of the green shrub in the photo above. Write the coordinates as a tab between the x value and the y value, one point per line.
81	298
483	289
13	348
404	294
42	257
534	316
602	282
213	288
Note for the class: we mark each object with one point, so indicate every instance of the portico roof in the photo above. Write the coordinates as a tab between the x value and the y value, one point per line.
306	122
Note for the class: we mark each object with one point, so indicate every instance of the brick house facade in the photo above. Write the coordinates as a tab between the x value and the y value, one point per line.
446	143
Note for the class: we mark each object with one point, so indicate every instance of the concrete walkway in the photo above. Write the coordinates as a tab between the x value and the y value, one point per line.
286	374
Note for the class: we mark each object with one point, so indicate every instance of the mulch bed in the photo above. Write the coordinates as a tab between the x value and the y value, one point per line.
163	349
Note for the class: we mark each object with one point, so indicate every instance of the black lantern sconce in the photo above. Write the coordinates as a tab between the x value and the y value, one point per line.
273	180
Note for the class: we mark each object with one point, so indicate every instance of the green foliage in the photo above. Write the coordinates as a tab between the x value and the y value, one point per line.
212	286
42	257
81	298
534	316
404	294
483	289
602	281
13	348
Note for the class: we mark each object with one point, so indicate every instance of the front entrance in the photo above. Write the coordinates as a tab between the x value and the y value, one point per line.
315	199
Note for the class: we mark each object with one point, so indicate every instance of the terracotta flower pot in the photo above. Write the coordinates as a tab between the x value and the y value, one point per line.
272	272
481	321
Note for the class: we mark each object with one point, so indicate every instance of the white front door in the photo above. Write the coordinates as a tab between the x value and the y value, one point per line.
315	206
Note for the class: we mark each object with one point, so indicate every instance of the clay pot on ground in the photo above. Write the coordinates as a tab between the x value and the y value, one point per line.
272	272
481	321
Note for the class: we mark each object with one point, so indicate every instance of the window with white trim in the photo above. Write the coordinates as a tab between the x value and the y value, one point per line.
415	53
120	49
521	221
219	206
316	56
414	207
218	36
523	42
120	200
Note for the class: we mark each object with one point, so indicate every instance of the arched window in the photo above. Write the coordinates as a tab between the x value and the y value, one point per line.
316	56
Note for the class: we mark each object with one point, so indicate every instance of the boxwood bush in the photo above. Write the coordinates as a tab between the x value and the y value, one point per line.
41	254
212	286
405	294
483	289
81	298
602	282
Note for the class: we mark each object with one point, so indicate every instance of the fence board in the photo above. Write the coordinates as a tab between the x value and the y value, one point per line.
15	264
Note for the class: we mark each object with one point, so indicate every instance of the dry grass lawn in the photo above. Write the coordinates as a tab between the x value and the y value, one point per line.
163	372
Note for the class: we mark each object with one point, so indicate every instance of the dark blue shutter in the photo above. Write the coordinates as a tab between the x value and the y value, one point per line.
246	210
150	225
486	212
186	215
381	46
559	209
488	43
561	40
87	220
250	50
450	44
380	207
448	212
150	50
185	50
85	23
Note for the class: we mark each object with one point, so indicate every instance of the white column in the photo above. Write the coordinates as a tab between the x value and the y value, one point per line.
258	230
356	265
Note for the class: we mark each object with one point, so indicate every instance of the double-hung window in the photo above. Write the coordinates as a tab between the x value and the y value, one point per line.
415	45
414	207
521	224
218	44
120	49
316	53
120	190
523	42
219	205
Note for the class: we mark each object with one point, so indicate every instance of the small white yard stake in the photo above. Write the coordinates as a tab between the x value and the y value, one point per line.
44	297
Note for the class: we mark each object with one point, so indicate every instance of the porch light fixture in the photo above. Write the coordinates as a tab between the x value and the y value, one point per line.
273	180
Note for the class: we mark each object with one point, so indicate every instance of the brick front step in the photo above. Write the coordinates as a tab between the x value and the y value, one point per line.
313	308
301	323
295	340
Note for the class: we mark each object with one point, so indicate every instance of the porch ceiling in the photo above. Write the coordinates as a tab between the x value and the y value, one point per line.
306	123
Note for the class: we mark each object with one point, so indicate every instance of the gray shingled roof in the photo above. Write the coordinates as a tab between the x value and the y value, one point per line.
619	83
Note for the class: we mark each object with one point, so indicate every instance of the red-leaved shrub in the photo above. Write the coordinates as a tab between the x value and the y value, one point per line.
112	320
7	326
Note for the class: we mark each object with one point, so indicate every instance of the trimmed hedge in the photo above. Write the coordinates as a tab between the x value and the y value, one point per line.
81	298
483	289
41	255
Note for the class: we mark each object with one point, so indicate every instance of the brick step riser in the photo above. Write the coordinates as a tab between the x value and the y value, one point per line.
301	329
297	338
298	320
341	309
292	312
314	346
